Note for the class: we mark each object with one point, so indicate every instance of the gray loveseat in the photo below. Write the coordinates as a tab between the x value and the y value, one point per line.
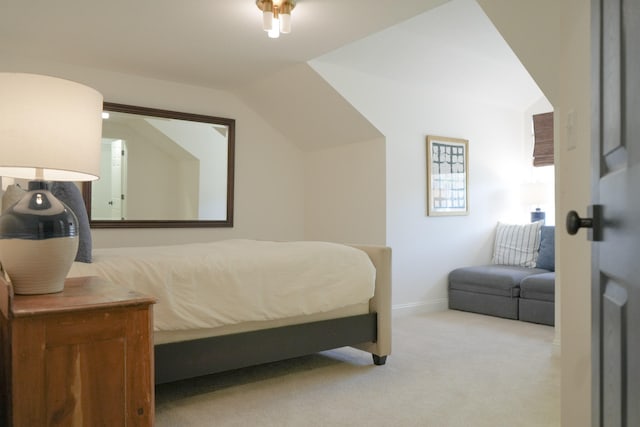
509	291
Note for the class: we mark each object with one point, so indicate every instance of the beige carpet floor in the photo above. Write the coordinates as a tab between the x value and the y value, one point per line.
447	369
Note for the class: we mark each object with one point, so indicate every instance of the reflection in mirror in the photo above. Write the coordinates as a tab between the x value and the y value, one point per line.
162	168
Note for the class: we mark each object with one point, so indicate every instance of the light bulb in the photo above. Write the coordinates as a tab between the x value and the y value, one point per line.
274	33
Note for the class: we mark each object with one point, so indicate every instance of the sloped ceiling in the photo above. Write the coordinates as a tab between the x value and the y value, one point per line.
308	110
220	44
454	47
211	43
542	18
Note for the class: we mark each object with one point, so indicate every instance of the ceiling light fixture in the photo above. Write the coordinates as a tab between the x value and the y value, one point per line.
276	16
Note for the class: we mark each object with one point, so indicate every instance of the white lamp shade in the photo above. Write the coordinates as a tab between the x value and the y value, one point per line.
50	128
535	193
267	20
285	23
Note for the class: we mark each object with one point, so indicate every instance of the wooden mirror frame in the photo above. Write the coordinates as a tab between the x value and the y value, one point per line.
228	222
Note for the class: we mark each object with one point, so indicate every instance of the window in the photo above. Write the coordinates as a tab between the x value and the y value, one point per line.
543	139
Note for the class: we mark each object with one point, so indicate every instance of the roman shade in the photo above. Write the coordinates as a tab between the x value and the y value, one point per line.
543	139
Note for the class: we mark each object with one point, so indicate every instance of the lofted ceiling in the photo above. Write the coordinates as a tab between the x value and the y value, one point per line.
220	44
211	43
454	47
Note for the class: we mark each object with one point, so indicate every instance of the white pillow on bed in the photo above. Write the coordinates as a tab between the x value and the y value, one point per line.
517	244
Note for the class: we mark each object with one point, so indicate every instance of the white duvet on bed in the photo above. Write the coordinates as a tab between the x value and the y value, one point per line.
205	285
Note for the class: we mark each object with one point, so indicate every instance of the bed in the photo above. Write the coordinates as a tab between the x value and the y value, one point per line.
232	304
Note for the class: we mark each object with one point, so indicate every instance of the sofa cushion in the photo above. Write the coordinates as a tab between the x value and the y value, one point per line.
539	287
475	302
490	279
536	311
547	253
517	244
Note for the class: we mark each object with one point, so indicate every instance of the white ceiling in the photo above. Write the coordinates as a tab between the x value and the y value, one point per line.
221	44
214	43
454	47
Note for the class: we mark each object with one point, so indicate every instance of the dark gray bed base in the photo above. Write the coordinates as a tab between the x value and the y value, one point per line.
188	359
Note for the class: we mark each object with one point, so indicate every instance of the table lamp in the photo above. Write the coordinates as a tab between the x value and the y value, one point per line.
50	130
536	194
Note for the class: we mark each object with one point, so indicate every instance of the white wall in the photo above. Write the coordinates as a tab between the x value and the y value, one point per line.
426	248
151	174
552	39
204	143
544	175
269	179
345	193
573	192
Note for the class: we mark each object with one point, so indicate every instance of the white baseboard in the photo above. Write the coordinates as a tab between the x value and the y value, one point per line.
421	307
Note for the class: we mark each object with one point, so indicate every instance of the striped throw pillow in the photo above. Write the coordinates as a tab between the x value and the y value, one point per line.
517	244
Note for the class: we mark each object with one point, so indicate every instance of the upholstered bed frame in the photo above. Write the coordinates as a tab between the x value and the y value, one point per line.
370	332
261	342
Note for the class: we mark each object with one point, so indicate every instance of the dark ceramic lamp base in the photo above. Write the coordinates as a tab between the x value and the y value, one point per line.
38	241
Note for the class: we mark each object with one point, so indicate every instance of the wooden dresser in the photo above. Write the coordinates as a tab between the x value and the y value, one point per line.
82	357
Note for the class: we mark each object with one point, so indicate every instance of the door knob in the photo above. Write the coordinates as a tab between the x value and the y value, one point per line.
575	223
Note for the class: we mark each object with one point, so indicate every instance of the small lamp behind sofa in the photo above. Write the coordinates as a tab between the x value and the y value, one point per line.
535	195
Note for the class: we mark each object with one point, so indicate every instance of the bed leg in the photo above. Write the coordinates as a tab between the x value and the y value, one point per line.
379	360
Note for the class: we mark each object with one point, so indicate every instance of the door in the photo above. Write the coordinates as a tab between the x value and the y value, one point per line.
118	166
108	193
616	189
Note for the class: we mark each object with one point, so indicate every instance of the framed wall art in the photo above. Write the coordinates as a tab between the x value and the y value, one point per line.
447	176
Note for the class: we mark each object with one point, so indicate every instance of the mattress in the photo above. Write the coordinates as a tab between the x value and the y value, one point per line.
209	285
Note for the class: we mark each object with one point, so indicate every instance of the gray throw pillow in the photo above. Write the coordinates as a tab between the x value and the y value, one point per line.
69	194
546	256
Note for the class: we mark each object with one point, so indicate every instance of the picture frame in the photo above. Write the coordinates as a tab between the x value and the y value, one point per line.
447	176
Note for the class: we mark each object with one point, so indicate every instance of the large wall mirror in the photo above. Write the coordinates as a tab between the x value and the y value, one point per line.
162	168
